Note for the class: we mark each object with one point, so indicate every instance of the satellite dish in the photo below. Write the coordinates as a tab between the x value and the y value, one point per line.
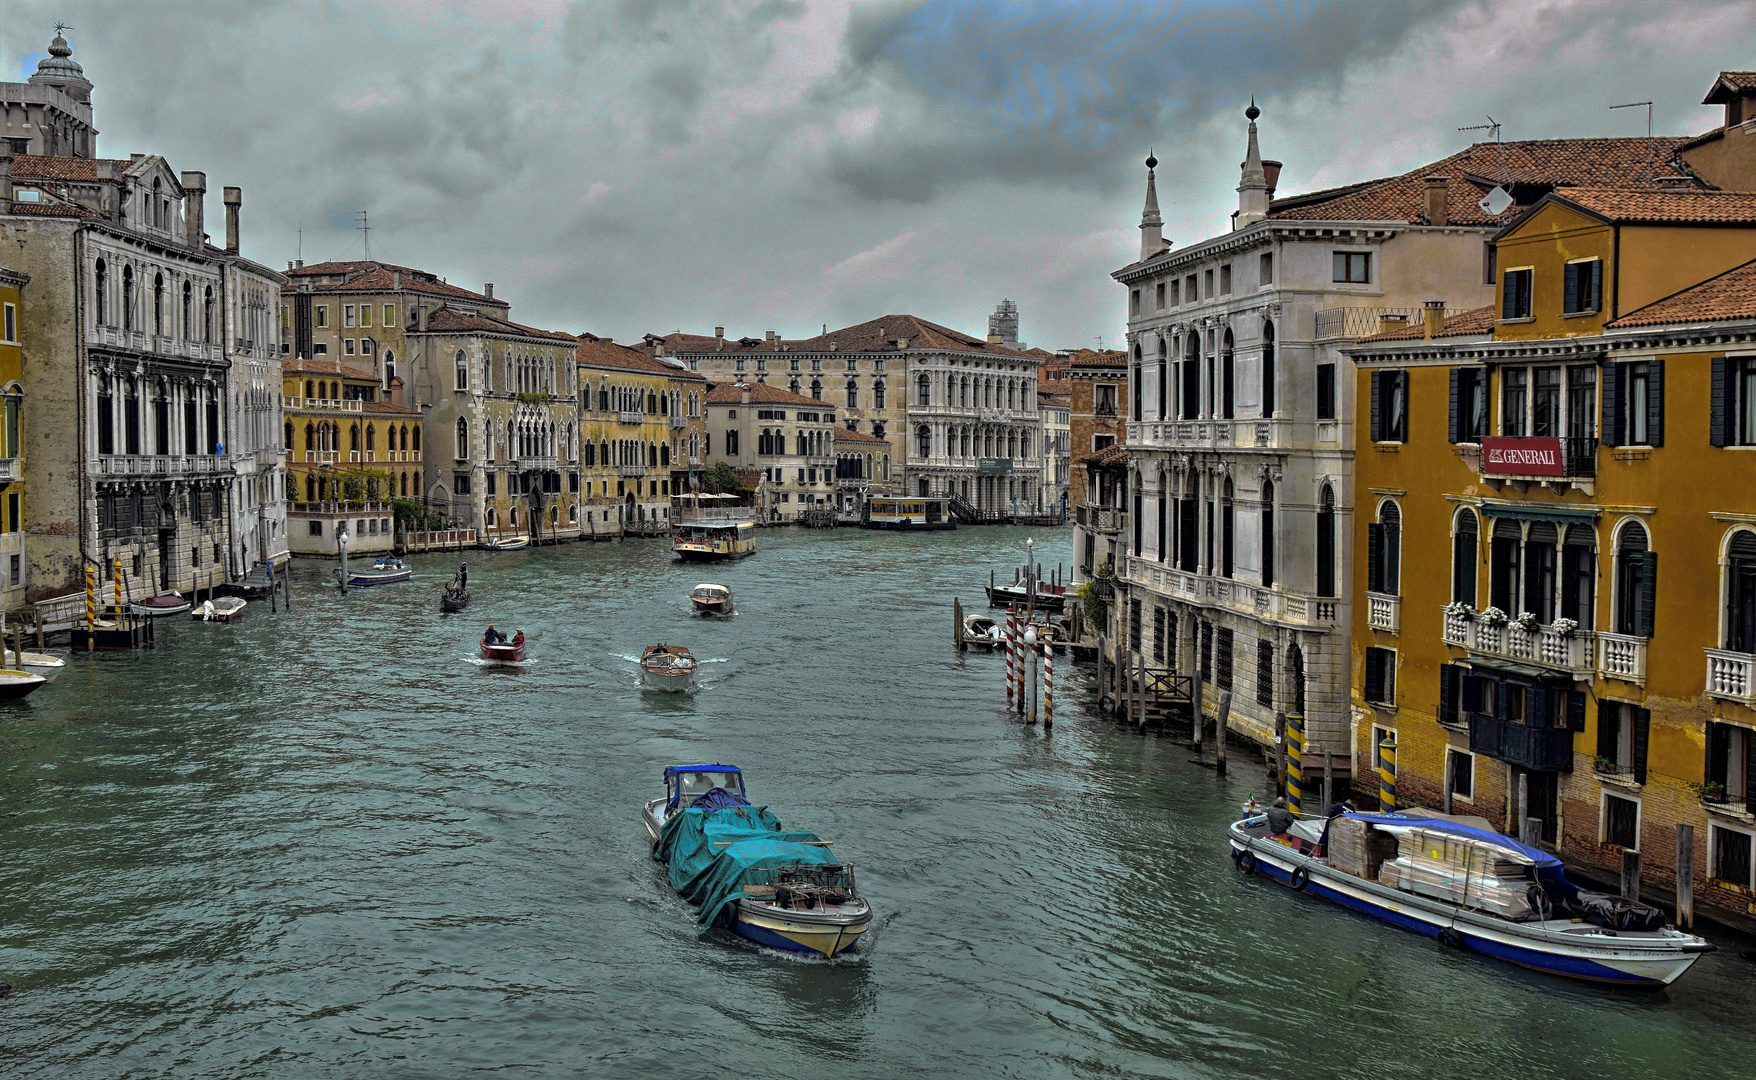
1495	202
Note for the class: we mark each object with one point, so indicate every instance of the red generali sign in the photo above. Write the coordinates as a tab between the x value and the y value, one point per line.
1522	457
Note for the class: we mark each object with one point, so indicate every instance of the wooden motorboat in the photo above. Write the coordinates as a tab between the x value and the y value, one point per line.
171	603
667	667
384	570
219	609
1456	880
711	599
505	542
454	599
504	652
16	684
777	887
1048	598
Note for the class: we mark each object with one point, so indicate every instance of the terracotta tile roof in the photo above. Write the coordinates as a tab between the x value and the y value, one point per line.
53	209
595	352
881	335
843	435
679	343
388	407
760	394
1541	163
374	276
40	167
1731	295
450	321
1100	360
1113	454
294	365
1477	321
1730	84
1667	207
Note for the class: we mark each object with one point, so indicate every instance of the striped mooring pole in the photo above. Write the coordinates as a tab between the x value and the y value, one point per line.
1011	661
116	576
1387	773
1048	685
1295	753
91	596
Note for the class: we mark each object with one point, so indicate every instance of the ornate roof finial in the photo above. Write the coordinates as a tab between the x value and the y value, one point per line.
1152	158
1252	112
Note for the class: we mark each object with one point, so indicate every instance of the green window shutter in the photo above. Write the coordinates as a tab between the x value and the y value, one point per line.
1718	744
1448	694
1749	772
1374	676
1575	711
1508	295
1377	430
1648	591
1642	728
1615	387
1455	431
1655	402
1597	285
1374	563
1570	301
1392	545
1716	414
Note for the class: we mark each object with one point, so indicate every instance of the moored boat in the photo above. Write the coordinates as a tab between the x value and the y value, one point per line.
1470	888
986	632
171	603
17	684
777	887
384	570
219	609
44	664
667	667
1048	598
710	599
505	541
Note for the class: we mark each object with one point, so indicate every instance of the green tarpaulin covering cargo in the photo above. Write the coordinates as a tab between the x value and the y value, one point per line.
710	854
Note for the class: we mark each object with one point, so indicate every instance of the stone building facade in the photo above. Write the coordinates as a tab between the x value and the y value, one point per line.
14	582
788	438
348	454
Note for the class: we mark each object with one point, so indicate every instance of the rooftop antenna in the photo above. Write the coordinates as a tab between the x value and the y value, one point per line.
1495	202
1651	165
301	241
364	228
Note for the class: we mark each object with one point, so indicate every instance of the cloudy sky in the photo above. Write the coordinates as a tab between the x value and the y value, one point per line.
625	166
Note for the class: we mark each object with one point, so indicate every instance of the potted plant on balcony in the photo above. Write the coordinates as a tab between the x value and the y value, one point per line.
1711	792
1459	609
1564	627
1493	616
1526	621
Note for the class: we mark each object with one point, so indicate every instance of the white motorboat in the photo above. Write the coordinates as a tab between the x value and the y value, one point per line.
506	542
171	603
219	609
708	599
667	667
17	684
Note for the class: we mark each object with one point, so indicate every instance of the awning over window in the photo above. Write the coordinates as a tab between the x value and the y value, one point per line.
1530	511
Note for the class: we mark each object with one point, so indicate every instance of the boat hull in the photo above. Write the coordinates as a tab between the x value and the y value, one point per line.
708	554
822	935
509	544
159	611
1015	596
1531	945
910	526
712	607
503	654
672	682
223	610
453	603
365	580
18	684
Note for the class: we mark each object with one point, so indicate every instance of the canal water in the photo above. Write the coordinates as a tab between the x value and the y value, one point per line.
326	843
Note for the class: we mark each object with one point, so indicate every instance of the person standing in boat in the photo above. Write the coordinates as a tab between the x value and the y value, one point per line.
462	576
1280	819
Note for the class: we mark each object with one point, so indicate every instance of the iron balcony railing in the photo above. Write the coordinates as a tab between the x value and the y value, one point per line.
1359	322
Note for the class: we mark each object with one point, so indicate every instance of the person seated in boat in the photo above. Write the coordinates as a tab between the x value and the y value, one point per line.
1280	819
493	636
518	639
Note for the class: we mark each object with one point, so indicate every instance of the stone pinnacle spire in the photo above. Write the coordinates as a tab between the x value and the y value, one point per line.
1152	233
1253	185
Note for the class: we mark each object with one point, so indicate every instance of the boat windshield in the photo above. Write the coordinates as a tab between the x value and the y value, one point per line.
697	782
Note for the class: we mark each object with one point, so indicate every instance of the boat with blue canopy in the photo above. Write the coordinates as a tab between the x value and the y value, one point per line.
1457	881
746	872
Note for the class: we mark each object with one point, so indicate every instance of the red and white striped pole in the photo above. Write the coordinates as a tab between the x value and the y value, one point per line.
1048	685
1010	677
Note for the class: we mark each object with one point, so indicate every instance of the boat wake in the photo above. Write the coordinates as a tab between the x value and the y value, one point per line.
479	662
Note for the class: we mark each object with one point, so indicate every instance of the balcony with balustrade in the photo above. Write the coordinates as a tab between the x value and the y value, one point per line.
1621	656
294	401
9	473
1213	434
632	416
537	463
1100	519
1205	590
1732	675
161	465
1384	612
1564	650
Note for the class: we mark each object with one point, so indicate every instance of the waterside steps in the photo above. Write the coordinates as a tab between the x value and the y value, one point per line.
1146	696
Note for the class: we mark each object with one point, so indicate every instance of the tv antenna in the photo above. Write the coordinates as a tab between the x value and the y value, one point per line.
364	228
1495	202
1651	165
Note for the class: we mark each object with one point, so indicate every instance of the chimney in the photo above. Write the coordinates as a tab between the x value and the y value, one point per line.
1673	183
6	155
745	399
1392	321
488	290
289	264
1438	191
995	339
234	198
396	280
719	339
300	263
421	318
1271	169
1434	312
195	209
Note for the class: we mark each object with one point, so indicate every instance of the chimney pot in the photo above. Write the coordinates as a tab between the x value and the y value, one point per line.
719	331
195	208
1438	194
1434	312
300	263
488	290
1271	169
234	199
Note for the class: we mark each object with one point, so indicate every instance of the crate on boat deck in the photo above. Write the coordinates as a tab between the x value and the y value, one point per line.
1356	848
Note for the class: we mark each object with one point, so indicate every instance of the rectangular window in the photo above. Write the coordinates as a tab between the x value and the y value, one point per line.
1158	635
1133	303
1176	292
1390	406
316	528
1207	651
1223	660
1514	401
1326	391
1452	678
1621	821
1380	684
321	311
1460	773
320	349
1489	257
1582	287
1545	403
1353	267
15	573
1158	295
1622	732
1265	273
12	514
347	346
11	322
1731	761
1265	672
1582	401
1190	295
1633	413
493	480
1515	294
1225	280
365	315
347	314
1469	404
1207	284
389	316
1731	855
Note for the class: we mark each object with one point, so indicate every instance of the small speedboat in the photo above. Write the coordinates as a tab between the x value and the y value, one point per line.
983	632
506	543
455	599
504	652
711	600
1456	880
219	609
383	571
171	603
746	873
16	684
667	667
1048	598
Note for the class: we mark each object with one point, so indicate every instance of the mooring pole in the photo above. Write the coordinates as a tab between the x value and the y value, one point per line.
1631	873
1280	753
1006	636
1140	670
1387	773
957	624
1103	675
1048	685
1030	652
1295	752
1221	715
1685	877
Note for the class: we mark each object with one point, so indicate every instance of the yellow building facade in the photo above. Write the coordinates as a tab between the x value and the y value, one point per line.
641	428
349	454
1556	614
14	581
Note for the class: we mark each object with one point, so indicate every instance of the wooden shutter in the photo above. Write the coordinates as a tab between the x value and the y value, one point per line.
1655	402
1717	740
1608	730
1325	553
1642	728
1537	713
1456	433
1401	378
1615	390
1716	413
1448	694
1508	295
1648	590
1469	695
1374	564
1597	285
1575	711
1388	659
1374	675
1570	289
1392	546
1750	772
1377	430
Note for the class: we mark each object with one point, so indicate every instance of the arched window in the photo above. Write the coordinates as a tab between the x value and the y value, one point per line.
1134	395
664	453
1740	635
878	394
1579	575
207	314
101	291
1506	565
310	488
1228	376
1268	372
405	485
878	429
1326	542
924	438
371	437
353	438
289	434
853	389
1190	378
310	437
1541	546
188	308
158	303
817	389
923	390
462	439
963	391
461	379
128	298
1268	534
1465	553
310	389
1384	550
1636	581
1227	529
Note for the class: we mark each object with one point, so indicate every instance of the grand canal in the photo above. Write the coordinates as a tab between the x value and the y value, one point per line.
325	843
